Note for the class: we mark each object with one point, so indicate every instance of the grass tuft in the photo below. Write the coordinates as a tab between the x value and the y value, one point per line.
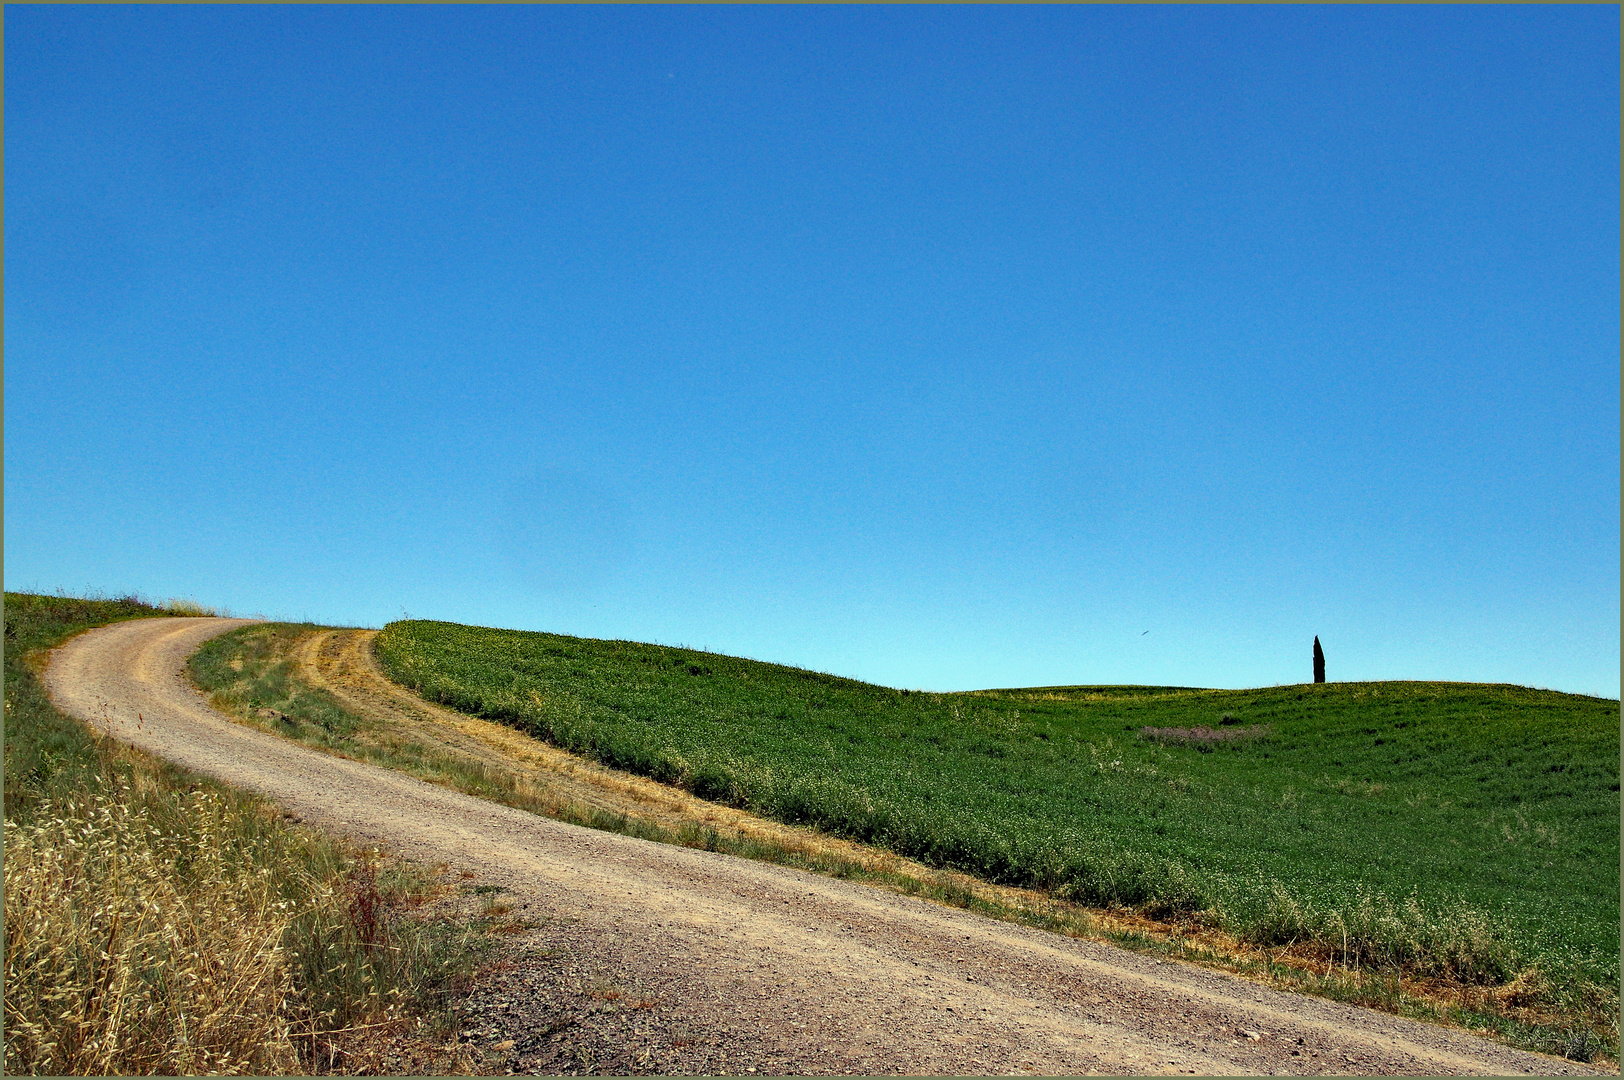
182	606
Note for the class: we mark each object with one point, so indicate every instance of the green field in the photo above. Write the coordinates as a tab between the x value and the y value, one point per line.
1453	829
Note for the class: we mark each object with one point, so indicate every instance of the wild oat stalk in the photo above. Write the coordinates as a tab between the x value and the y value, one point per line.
132	950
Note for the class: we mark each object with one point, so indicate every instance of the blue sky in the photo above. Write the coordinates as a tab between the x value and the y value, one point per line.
940	347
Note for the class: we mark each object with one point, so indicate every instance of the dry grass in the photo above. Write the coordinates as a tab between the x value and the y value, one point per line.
183	606
165	932
131	950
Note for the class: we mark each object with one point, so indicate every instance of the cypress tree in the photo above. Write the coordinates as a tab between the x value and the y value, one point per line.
1319	661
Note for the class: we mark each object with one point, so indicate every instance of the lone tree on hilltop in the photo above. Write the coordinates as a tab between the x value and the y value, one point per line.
1319	661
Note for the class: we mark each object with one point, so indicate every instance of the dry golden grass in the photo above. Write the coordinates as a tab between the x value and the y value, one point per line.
181	605
165	932
130	950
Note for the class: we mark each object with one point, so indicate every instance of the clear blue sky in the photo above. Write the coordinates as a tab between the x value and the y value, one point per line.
940	347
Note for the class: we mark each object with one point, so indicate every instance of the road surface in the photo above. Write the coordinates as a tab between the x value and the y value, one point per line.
718	964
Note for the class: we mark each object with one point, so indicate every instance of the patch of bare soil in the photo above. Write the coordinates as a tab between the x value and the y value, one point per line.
634	957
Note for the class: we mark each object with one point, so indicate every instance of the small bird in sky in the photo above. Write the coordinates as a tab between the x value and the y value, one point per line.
1146	632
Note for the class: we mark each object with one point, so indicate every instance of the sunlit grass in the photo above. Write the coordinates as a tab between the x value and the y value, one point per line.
1455	832
184	606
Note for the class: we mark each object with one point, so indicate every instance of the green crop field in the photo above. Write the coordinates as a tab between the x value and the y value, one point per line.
1461	830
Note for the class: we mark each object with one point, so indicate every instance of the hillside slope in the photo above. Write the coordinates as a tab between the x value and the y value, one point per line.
1463	830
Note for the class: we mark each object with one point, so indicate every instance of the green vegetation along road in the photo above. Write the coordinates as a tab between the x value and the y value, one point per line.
1456	831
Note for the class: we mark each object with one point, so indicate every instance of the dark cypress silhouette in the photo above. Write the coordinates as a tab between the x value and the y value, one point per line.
1319	661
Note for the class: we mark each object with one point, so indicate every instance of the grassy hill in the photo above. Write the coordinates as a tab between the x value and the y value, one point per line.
1461	830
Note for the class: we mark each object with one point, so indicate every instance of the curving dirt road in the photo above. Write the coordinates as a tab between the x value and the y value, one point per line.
705	963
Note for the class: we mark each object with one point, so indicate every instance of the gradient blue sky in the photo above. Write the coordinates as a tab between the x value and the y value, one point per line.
939	347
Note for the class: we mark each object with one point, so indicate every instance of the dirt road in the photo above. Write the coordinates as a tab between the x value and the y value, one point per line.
700	962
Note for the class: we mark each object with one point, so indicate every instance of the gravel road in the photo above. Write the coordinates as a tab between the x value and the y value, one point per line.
655	958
